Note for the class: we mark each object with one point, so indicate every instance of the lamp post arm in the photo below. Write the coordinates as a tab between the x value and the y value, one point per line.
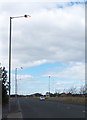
26	16
17	17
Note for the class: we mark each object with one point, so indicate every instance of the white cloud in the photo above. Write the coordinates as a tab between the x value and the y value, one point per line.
41	1
74	71
22	77
53	35
63	83
21	81
77	71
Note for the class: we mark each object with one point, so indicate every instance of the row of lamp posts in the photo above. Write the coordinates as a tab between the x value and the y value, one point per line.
26	16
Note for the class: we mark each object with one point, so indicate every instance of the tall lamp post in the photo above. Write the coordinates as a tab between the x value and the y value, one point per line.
26	16
16	88
49	85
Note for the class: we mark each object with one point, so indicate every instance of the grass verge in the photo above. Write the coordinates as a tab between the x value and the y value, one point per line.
82	100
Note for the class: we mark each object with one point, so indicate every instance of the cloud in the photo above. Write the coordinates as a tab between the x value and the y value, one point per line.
55	33
25	77
75	3
63	83
74	71
21	81
77	71
50	35
28	84
42	1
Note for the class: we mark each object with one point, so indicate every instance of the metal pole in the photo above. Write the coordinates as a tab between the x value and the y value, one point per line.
49	86
16	86
16	83
10	63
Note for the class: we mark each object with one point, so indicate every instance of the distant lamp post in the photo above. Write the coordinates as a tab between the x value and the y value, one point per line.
26	16
16	87
49	85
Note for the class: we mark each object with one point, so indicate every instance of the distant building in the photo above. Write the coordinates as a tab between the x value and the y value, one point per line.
37	95
63	95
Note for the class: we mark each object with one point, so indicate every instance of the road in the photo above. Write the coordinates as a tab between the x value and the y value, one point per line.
34	108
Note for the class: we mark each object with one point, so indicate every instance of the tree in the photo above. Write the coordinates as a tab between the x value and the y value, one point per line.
83	89
0	85
5	85
72	90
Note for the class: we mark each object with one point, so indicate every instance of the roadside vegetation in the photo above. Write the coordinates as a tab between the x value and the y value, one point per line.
4	85
71	95
81	100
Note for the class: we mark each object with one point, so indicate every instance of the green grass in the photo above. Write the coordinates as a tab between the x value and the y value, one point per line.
69	99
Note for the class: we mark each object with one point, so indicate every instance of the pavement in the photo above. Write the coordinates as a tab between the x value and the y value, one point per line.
15	110
15	115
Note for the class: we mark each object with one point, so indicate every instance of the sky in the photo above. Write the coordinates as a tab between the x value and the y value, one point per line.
49	43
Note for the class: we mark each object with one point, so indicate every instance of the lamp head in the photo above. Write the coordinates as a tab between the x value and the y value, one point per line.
49	76
21	67
26	16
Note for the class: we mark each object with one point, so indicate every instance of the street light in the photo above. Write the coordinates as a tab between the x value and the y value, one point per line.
26	16
16	87
49	85
16	81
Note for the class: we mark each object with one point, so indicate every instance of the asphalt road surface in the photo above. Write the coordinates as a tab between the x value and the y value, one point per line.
34	108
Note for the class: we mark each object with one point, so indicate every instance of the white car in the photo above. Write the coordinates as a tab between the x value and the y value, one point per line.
42	98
